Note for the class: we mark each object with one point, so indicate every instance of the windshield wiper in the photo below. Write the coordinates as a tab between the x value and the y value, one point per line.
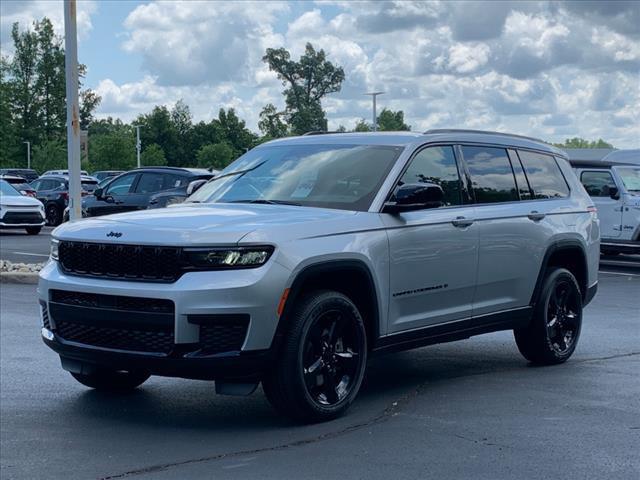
267	202
238	172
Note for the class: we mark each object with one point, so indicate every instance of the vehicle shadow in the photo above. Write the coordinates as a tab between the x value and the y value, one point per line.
170	404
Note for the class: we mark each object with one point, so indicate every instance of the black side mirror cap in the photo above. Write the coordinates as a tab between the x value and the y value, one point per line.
415	196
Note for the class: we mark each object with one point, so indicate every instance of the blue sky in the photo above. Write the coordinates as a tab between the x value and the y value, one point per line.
551	69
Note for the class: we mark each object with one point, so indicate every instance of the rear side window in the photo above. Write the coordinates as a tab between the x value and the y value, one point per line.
491	174
521	180
544	175
436	165
150	183
598	184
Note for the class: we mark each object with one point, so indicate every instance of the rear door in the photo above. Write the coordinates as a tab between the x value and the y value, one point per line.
511	229
599	184
433	252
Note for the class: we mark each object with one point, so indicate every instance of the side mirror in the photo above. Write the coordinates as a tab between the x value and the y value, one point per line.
614	193
98	193
415	196
195	185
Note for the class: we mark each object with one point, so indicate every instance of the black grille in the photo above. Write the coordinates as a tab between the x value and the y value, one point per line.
130	262
116	338
20	218
113	302
220	333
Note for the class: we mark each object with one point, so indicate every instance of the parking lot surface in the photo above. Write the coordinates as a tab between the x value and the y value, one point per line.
18	247
470	409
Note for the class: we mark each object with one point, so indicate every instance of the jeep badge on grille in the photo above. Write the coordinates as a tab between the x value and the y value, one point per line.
114	234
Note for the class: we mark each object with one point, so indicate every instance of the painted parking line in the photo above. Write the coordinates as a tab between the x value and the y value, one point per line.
621	273
32	254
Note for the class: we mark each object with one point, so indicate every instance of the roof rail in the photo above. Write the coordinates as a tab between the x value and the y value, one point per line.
487	132
320	132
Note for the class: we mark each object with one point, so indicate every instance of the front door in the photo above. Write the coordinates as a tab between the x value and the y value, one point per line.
598	184
115	197
433	252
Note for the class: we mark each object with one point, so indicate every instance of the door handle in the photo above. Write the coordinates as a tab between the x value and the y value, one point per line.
462	222
536	216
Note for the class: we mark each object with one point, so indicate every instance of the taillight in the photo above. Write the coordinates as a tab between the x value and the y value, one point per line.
64	195
31	194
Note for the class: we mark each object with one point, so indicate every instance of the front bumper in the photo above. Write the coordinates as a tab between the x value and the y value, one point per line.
21	217
252	293
236	366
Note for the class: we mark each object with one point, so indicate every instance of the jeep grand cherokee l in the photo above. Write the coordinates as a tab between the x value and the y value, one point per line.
307	255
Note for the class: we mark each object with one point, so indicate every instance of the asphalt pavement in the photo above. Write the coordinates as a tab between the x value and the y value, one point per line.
469	409
19	247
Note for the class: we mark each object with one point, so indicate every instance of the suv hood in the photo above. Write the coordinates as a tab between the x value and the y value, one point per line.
197	224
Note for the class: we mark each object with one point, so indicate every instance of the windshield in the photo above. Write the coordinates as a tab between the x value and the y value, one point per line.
6	189
89	186
630	177
345	177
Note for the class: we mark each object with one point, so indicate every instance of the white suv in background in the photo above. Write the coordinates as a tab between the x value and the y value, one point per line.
20	211
307	255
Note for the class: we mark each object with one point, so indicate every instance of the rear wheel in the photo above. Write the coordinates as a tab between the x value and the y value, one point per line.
553	333
33	230
54	217
112	380
320	367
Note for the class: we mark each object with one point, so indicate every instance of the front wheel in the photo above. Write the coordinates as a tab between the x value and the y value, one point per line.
111	380
553	333
320	367
33	230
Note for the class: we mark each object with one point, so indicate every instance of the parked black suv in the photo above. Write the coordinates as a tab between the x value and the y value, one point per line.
142	188
53	192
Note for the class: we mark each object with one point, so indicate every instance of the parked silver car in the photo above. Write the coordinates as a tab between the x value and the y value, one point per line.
307	255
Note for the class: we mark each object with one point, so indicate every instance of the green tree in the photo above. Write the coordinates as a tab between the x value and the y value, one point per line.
216	155
49	155
153	156
181	119
362	126
271	124
390	121
158	128
308	81
22	84
233	131
10	154
50	81
578	142
112	151
89	101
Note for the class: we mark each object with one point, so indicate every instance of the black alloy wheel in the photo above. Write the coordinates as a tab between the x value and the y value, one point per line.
53	215
552	335
322	360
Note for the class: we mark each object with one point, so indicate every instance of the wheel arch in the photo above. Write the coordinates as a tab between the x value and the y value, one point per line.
567	253
351	277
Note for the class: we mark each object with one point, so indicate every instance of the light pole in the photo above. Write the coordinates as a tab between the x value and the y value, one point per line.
28	154
374	95
138	144
73	111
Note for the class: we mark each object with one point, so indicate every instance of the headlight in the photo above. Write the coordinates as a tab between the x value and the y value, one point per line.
222	258
54	249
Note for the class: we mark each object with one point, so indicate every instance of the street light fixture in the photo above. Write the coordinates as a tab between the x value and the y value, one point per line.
138	144
374	95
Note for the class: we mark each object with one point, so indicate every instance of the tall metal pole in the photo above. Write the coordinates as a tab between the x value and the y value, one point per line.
73	111
28	153
138	144
374	96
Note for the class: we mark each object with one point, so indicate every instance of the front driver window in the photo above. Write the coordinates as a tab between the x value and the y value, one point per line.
436	165
121	186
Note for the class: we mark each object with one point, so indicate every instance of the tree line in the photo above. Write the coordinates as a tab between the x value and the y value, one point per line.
33	109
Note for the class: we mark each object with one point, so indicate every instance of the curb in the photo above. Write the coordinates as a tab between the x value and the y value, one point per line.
26	278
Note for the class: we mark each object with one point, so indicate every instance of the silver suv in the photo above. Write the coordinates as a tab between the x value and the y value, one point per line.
308	255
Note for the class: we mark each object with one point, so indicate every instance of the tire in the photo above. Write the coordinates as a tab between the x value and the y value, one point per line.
552	335
54	216
33	230
111	380
320	366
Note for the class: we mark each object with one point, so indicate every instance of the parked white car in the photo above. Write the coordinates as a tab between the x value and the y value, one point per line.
615	190
20	211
